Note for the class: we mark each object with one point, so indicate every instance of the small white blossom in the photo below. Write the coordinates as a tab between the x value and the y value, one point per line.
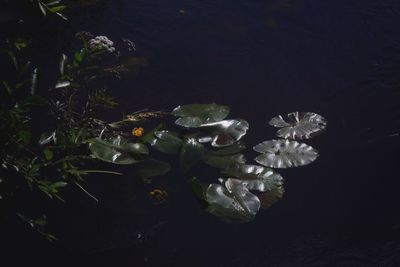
101	43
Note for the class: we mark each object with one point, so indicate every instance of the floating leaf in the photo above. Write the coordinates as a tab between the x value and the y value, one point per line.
115	152
253	177
191	153
285	154
192	116
236	206
166	142
300	125
151	168
223	162
224	133
267	199
229	150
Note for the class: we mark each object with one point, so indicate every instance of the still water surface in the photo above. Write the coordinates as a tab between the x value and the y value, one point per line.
338	58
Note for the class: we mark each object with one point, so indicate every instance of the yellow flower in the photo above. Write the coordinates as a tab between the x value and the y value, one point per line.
159	195
138	132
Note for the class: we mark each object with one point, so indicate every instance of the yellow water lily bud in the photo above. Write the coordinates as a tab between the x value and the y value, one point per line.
138	132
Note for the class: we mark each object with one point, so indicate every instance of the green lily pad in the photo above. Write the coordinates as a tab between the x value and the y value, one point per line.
151	168
300	125
253	177
236	206
194	115
223	133
166	142
117	151
224	162
191	153
285	154
267	199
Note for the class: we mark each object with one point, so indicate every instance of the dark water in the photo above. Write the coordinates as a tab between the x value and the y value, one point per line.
262	58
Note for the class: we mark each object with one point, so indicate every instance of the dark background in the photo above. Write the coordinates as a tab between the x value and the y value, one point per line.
339	58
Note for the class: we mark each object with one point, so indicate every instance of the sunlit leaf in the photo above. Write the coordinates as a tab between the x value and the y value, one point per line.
194	115
236	206
57	9
191	153
224	133
42	8
62	84
253	177
300	125
267	199
285	154
63	61
115	152
166	142
47	138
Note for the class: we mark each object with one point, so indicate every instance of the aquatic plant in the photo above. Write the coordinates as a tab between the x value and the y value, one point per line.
300	125
285	154
243	189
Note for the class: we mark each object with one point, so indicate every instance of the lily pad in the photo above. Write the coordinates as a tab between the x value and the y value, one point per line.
300	125
151	168
285	153
166	142
224	133
117	152
194	115
253	177
267	199
236	206
191	153
224	161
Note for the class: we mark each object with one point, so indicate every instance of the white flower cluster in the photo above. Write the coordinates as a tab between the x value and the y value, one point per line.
101	43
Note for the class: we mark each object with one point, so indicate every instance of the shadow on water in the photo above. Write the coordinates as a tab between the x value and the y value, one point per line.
262	58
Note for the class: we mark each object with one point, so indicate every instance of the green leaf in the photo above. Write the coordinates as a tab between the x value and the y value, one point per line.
57	9
236	206
149	136
25	136
63	61
117	153
62	84
191	153
46	138
223	162
198	188
42	8
166	142
229	150
48	154
21	43
194	115
78	57
151	168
